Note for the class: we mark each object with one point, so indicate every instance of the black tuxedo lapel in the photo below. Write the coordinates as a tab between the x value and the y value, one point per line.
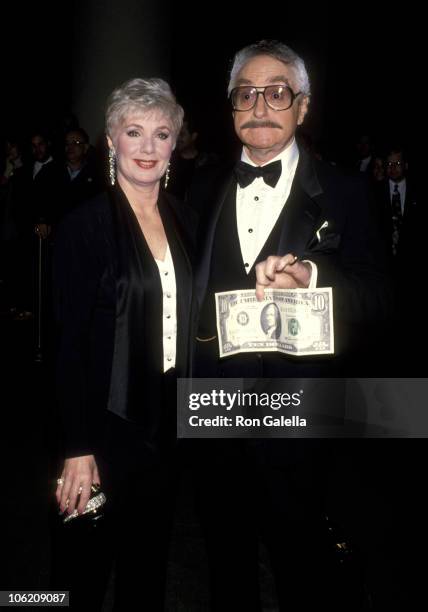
207	241
302	210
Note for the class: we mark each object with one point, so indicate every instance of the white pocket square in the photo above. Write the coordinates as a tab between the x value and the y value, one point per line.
318	232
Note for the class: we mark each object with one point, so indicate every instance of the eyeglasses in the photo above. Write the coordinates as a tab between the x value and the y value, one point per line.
277	97
394	164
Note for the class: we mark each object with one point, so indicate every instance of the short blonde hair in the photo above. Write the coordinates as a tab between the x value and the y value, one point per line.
142	95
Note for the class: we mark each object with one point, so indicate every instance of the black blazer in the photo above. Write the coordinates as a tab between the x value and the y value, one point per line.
349	250
85	298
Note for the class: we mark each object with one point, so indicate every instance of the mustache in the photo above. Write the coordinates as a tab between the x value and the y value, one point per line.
261	124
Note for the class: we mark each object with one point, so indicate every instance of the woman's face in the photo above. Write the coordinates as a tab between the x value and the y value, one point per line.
143	144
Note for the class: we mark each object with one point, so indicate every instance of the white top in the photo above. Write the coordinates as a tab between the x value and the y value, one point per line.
169	310
258	207
401	190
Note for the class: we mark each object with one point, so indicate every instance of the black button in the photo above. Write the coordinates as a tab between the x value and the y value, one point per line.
166	273
246	265
168	316
250	231
256	198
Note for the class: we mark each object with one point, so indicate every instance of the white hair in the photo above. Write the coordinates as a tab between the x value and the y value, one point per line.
142	96
277	50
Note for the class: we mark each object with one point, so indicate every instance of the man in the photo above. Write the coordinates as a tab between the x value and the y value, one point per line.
280	219
396	196
364	151
44	188
404	217
36	191
189	165
81	180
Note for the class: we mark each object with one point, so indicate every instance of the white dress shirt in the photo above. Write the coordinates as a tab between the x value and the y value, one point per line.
73	173
364	163
39	165
258	207
401	190
169	310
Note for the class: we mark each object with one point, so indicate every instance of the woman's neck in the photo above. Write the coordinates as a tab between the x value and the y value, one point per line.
142	198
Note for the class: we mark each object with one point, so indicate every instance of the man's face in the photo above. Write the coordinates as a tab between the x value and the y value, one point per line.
264	131
186	138
364	147
395	167
75	147
40	148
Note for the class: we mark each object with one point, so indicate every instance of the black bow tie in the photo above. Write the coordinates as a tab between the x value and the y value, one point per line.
246	174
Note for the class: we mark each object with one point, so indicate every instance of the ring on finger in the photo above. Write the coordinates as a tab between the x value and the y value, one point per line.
60	481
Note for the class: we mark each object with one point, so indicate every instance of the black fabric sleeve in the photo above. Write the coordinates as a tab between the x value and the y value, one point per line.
76	275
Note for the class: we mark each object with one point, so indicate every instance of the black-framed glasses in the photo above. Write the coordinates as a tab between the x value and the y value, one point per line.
277	97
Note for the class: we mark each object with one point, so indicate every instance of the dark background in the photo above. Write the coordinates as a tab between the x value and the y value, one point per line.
361	58
363	64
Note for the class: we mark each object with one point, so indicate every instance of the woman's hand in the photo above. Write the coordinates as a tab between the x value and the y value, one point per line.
77	477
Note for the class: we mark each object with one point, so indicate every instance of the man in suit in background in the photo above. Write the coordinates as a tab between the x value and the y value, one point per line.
36	193
81	179
396	196
284	220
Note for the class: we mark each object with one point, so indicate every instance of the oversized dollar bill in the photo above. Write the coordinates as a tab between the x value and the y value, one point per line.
293	321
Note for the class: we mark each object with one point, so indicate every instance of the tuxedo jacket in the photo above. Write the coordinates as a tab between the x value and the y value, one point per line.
38	199
328	219
86	298
414	220
83	187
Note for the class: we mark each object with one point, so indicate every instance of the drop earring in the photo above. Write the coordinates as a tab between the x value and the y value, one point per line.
167	174
112	165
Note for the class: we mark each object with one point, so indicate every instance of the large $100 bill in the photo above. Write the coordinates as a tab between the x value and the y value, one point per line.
293	321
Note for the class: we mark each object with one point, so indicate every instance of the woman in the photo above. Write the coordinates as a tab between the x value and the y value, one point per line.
123	296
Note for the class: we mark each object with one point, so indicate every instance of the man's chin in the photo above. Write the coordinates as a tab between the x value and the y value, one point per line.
263	149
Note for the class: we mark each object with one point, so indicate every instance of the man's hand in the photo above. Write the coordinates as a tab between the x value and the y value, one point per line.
77	477
285	272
